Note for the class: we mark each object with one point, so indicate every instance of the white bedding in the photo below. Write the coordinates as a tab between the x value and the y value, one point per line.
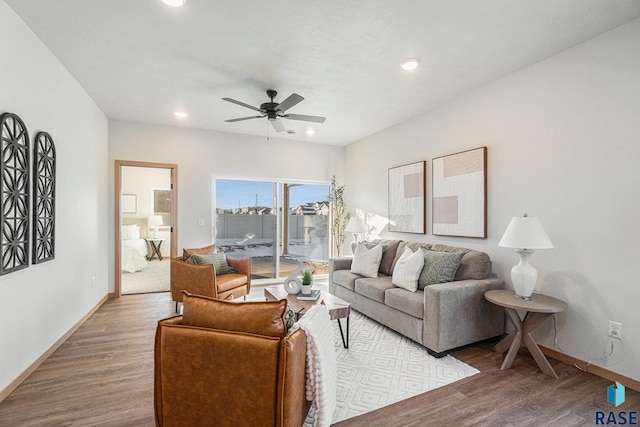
134	254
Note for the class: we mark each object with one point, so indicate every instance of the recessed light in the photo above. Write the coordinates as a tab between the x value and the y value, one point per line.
174	3
180	115
310	132
410	64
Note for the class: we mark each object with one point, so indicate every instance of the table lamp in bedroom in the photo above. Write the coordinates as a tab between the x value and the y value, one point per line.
154	221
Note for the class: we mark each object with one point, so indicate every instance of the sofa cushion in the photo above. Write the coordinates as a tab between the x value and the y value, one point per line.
414	246
386	263
217	259
374	288
474	264
366	261
407	270
411	303
346	279
186	253
439	267
260	318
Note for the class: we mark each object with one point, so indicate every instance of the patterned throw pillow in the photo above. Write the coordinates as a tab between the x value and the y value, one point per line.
366	261
407	270
439	267
218	259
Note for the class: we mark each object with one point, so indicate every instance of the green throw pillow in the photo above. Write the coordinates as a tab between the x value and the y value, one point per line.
439	267
218	259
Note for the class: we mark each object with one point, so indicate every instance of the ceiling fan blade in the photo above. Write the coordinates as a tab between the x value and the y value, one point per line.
241	104
277	125
243	118
305	118
292	100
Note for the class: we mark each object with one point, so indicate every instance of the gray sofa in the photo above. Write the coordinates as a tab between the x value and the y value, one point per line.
443	317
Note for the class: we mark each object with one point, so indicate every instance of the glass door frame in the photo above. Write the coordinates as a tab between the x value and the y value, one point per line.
279	205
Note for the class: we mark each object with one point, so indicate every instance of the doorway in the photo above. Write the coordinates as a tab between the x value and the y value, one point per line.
146	212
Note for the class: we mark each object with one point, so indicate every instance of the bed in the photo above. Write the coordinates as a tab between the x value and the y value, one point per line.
134	248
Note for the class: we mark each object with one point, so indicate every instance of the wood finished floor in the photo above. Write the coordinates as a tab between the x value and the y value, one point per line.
103	376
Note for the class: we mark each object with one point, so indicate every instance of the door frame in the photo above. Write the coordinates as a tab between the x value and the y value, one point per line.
119	164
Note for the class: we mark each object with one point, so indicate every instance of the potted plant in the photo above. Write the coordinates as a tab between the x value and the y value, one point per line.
307	281
340	216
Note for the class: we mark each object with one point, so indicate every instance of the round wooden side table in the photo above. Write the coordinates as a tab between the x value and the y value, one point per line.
536	310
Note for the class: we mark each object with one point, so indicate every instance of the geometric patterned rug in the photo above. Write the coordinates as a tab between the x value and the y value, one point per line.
382	367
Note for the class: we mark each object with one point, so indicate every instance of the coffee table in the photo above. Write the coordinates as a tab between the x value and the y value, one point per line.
338	309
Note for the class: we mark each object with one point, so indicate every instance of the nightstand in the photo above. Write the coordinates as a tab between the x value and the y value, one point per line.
154	248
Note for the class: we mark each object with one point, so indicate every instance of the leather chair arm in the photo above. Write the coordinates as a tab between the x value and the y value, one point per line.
242	266
195	279
292	403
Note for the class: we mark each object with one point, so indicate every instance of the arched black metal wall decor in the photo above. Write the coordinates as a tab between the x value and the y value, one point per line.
14	194
44	198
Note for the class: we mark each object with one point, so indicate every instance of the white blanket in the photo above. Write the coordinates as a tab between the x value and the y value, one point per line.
321	363
133	255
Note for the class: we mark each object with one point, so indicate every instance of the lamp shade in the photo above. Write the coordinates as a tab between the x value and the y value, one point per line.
155	220
525	232
355	226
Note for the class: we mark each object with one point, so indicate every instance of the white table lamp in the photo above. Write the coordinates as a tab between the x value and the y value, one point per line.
525	234
154	221
356	227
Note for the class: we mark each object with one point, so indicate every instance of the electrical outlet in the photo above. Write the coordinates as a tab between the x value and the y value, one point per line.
615	329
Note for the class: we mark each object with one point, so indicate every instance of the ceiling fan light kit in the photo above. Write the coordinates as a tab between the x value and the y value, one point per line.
410	64
274	111
174	3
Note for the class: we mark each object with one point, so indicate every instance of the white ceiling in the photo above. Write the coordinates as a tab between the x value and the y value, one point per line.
141	60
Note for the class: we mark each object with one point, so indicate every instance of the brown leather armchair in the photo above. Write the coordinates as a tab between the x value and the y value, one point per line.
202	279
225	366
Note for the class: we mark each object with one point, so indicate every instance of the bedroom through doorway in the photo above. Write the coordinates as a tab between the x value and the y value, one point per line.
145	226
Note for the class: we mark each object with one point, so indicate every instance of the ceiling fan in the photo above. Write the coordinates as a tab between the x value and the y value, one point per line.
274	111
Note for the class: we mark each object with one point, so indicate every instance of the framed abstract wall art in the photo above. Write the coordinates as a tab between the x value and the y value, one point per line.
459	194
407	195
128	203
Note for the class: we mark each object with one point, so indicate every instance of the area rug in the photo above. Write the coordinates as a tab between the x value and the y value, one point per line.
153	278
382	367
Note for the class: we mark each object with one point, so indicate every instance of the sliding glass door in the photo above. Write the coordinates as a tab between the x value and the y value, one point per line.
306	233
278	224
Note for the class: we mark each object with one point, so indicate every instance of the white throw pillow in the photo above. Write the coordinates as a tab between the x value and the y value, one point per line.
130	232
366	261
407	270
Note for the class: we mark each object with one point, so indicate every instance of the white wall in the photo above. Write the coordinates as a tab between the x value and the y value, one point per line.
202	156
563	145
39	304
